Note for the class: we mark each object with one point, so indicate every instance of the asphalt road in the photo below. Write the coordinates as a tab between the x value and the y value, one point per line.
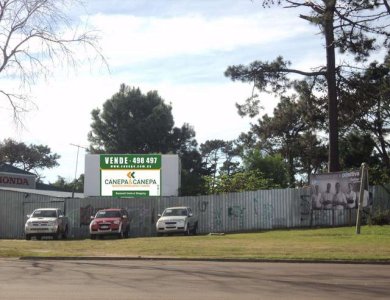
140	279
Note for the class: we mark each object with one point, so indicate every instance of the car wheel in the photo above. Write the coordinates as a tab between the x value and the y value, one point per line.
28	237
57	235
195	229
127	233
65	233
187	231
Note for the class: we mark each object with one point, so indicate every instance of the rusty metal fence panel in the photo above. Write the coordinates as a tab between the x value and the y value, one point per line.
141	213
234	212
381	197
15	206
11	216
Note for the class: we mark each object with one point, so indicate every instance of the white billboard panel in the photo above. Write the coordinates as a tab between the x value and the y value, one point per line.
130	183
131	175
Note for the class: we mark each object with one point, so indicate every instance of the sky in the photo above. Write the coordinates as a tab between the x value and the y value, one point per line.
180	48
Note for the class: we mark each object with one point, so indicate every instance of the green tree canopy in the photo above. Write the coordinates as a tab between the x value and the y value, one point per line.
219	157
365	106
251	180
355	148
272	167
27	157
76	185
133	122
353	27
289	133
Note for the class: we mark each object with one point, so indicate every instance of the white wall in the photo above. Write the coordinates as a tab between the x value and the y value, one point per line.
170	175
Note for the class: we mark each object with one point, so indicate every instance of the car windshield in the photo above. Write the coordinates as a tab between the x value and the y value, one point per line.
175	212
108	214
44	214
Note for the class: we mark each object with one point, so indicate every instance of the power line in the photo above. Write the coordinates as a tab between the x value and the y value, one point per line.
77	162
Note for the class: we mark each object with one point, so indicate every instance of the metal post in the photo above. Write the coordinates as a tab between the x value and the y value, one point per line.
77	161
75	172
363	180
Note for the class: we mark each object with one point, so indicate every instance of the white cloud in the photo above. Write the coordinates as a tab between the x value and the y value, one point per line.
64	113
136	45
128	39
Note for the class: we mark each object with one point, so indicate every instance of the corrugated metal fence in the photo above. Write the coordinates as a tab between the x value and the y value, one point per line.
235	212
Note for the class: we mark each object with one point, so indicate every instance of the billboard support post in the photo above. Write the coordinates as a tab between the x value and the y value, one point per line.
363	180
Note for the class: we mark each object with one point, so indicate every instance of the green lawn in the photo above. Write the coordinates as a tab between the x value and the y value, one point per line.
307	244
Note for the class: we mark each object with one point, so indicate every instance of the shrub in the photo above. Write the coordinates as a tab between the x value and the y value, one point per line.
381	217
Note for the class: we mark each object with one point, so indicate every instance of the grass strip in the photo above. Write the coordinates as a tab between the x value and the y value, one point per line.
299	244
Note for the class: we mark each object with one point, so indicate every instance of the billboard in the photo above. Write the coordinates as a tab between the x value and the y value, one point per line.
338	190
132	175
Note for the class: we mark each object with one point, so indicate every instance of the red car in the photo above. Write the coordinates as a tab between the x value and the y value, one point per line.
111	221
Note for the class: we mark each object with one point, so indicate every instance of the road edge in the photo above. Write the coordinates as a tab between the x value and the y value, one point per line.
251	260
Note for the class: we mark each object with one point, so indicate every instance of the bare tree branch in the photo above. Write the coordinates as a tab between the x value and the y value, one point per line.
386	4
35	36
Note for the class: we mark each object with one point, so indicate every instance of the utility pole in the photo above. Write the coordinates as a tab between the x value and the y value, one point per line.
77	162
363	182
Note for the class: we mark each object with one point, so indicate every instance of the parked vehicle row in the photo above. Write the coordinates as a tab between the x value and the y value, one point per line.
46	222
108	222
113	221
177	220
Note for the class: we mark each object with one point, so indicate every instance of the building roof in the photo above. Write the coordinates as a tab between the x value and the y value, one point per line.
44	192
6	168
39	187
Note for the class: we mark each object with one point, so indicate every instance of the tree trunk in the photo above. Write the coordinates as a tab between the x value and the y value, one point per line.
379	129
333	159
291	169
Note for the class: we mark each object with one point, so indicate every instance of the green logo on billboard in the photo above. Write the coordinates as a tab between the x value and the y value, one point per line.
130	161
130	194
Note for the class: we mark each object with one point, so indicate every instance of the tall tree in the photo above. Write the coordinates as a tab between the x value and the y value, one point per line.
193	168
249	180
211	152
219	157
312	155
193	174
272	167
37	36
356	148
27	157
350	26
369	91
291	132
133	122
62	184
231	152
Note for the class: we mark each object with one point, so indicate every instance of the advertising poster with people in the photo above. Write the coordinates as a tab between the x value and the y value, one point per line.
337	191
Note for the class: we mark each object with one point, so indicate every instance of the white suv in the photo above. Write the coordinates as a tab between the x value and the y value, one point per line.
177	220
